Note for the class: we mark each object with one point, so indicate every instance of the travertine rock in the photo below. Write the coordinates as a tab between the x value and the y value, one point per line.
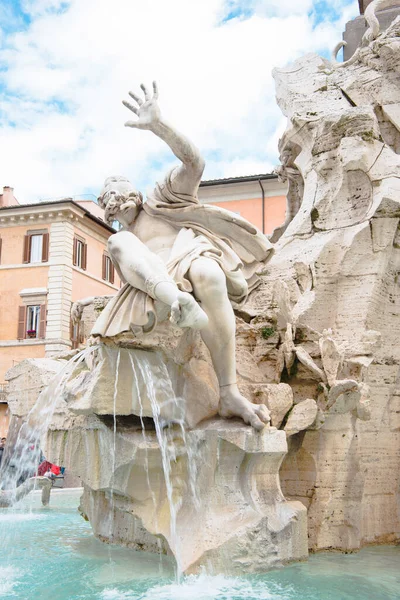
301	417
227	511
26	380
115	380
343	140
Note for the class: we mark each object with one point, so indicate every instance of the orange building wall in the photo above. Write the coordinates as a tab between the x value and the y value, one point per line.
12	281
84	286
95	250
251	209
13	243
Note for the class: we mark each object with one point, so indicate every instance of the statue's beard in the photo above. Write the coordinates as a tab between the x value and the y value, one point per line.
112	201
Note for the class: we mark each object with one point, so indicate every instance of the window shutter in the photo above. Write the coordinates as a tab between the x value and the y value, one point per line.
104	266
111	272
45	247
74	253
42	326
21	322
84	257
27	249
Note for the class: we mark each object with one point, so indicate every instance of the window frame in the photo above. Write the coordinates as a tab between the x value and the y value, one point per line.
108	269
27	246
32	312
79	254
23	312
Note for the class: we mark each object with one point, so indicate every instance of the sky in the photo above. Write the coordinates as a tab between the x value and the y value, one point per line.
66	66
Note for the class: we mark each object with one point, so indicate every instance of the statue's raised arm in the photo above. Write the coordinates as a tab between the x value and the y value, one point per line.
187	177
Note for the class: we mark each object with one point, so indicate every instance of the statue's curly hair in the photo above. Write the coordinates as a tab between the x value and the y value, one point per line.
111	202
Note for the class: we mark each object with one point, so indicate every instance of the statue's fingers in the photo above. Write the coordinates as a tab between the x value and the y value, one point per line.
155	90
175	313
132	124
130	106
136	98
145	91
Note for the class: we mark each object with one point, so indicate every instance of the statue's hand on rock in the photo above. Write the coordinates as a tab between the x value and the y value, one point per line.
147	110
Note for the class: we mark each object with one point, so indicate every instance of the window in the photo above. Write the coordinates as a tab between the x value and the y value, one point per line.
32	321
79	258
36	247
108	269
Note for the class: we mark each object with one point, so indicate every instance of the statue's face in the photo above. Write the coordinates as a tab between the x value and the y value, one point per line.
120	200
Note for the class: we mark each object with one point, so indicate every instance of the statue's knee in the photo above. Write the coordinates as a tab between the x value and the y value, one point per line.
207	278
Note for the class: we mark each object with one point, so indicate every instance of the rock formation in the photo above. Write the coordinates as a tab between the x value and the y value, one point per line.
339	259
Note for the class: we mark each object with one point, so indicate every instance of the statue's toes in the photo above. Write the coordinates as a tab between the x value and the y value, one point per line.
263	413
256	422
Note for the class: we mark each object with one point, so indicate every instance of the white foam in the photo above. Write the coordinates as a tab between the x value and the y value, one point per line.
113	594
203	587
8	580
17	517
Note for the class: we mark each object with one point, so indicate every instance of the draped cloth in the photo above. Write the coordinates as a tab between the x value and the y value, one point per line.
203	231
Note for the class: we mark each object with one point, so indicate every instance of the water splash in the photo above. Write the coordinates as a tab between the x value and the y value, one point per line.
205	587
9	578
24	459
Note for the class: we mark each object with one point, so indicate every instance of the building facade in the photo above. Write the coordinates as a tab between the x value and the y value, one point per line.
261	199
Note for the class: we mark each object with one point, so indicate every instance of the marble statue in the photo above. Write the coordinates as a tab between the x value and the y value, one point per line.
199	260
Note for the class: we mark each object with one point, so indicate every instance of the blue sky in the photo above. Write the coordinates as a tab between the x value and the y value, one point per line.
66	66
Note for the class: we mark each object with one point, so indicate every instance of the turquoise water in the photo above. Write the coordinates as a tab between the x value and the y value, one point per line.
50	553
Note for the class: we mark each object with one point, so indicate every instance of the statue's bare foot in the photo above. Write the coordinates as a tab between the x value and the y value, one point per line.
185	312
233	404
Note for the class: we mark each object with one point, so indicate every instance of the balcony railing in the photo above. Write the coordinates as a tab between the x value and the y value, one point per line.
3	392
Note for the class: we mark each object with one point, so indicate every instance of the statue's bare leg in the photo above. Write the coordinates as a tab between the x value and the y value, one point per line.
209	285
145	271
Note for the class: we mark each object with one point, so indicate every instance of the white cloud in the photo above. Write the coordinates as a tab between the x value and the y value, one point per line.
66	75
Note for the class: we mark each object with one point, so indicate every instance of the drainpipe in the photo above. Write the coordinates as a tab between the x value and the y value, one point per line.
263	205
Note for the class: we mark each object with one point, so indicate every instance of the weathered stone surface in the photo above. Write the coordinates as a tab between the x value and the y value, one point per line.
342	138
277	397
301	417
26	380
227	501
116	380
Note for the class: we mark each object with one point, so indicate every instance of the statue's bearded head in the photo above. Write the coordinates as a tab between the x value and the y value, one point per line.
118	197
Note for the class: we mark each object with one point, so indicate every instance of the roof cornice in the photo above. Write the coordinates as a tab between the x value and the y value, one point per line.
242	179
38	211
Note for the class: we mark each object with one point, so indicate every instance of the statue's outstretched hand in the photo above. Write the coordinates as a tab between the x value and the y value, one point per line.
147	110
